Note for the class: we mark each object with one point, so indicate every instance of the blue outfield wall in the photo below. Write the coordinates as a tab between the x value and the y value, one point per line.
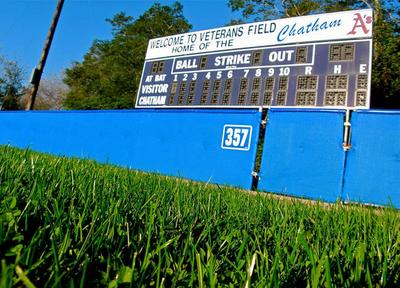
303	154
373	164
218	146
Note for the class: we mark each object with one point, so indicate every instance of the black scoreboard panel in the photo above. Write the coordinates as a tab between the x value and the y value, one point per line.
329	74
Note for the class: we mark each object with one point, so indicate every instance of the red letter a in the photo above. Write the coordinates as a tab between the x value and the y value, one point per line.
359	23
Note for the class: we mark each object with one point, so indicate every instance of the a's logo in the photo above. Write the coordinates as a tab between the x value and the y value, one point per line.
360	22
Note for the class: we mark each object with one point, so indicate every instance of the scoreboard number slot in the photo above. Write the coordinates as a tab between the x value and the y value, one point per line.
341	52
182	92
226	97
172	93
361	92
203	62
283	85
154	68
192	90
215	92
255	93
301	54
269	91
204	92
242	91
158	67
306	94
256	59
281	98
336	90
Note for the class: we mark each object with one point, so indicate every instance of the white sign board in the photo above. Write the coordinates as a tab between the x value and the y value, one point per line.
312	28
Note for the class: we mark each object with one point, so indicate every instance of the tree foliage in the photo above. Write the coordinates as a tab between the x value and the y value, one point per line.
11	84
258	10
50	96
386	66
109	75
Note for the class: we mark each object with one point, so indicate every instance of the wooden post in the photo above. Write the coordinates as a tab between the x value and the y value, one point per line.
38	71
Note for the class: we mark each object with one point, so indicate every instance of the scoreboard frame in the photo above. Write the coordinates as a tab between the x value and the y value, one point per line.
182	84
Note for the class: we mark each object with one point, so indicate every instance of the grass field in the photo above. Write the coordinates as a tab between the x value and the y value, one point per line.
76	223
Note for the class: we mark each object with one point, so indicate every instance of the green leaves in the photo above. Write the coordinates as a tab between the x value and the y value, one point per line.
11	84
109	75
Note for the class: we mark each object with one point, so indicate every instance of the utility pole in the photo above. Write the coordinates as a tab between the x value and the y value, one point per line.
38	71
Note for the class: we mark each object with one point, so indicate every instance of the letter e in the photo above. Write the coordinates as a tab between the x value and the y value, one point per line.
363	68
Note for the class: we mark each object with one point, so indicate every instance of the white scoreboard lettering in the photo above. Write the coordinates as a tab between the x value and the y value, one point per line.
311	61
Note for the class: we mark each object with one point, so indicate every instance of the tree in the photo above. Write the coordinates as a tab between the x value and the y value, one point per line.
11	87
51	94
271	9
257	10
386	67
109	75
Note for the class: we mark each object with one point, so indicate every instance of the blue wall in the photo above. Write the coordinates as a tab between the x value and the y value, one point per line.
373	164
303	154
185	143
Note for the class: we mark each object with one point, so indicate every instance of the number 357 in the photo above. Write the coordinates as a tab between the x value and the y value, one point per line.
236	137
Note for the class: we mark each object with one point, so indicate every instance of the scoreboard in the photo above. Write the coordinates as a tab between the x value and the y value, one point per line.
312	61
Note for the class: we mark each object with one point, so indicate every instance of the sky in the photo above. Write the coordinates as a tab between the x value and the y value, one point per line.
24	25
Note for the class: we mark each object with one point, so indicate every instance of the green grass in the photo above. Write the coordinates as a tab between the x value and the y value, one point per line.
76	223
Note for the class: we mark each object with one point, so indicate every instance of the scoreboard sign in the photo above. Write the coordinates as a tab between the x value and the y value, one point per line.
311	61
